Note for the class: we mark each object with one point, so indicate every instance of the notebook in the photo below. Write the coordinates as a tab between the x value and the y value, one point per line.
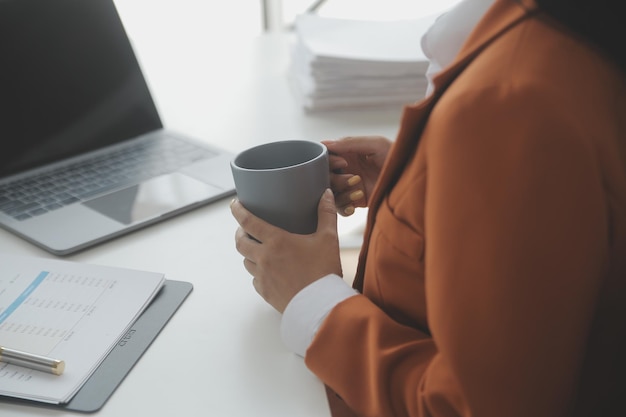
119	312
85	156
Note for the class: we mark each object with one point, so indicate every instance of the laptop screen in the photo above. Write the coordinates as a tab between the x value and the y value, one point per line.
69	82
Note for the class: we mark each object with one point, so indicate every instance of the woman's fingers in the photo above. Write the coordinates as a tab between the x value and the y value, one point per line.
336	163
341	183
349	193
254	227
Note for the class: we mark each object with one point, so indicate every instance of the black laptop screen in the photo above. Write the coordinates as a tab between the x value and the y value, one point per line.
69	82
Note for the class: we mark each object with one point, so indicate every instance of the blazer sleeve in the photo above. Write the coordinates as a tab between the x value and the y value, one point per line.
516	242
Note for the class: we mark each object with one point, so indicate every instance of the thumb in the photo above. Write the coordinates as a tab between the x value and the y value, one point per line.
326	211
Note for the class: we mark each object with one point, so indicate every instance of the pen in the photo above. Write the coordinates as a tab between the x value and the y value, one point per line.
32	361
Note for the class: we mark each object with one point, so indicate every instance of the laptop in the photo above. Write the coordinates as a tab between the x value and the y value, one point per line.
85	156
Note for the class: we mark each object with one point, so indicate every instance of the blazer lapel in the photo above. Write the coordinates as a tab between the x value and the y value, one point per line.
502	15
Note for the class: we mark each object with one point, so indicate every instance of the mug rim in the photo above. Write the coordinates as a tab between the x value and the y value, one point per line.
322	147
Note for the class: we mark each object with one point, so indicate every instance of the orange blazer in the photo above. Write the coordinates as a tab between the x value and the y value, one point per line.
493	271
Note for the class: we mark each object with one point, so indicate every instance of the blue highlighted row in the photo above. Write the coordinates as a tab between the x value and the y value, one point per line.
23	296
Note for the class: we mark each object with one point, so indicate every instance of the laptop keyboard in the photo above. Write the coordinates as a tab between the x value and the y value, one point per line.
33	196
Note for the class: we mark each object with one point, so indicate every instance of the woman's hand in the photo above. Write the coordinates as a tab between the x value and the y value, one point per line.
355	164
283	263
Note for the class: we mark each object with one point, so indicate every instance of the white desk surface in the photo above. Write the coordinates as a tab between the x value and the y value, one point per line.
221	354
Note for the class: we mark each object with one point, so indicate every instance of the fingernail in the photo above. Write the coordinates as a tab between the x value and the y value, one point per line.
349	210
356	195
354	180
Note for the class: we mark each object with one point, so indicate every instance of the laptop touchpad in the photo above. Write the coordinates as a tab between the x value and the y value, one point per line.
152	198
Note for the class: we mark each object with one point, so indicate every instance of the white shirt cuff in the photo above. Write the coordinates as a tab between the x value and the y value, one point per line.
308	309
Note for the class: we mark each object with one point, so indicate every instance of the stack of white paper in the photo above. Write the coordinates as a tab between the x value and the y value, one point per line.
342	63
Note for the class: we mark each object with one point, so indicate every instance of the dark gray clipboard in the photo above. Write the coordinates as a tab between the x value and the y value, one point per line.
118	363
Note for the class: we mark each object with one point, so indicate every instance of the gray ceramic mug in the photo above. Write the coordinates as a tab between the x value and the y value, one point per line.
282	182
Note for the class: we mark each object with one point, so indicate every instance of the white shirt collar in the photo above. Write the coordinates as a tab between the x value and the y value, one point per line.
442	42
